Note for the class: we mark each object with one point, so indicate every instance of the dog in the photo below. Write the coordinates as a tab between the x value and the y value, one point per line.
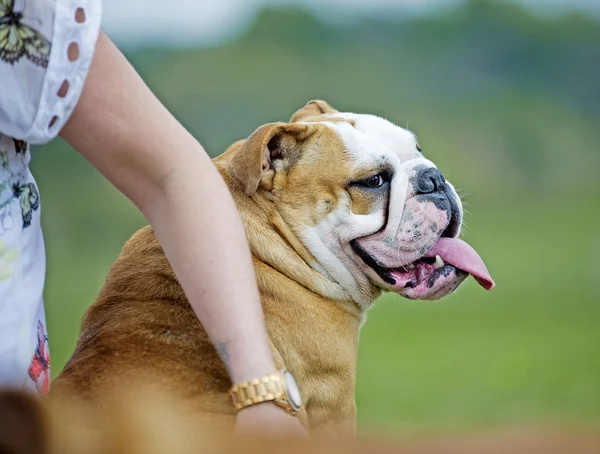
337	208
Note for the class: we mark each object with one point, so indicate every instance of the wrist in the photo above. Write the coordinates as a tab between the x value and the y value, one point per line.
279	387
247	372
243	364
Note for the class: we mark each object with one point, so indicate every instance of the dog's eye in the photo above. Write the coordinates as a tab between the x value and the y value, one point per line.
419	148
375	181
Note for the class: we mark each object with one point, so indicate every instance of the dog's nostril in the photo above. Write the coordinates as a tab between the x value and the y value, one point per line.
429	180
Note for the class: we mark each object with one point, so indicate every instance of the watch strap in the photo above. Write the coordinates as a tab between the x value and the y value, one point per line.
258	390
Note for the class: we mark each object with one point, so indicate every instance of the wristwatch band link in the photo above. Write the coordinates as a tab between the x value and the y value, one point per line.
255	391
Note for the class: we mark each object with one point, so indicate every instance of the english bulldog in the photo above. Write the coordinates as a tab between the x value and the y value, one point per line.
338	207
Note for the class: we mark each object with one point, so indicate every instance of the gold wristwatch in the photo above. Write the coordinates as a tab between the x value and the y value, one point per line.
279	387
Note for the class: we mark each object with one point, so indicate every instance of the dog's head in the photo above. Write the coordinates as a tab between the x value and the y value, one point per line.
358	193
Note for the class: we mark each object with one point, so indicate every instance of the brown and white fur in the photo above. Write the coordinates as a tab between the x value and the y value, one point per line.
315	216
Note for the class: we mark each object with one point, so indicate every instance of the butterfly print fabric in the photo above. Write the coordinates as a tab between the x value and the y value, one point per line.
18	40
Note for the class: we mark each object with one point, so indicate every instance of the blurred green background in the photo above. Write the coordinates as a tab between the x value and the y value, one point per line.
507	103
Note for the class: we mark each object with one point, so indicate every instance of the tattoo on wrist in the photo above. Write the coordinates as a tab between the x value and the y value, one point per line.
223	352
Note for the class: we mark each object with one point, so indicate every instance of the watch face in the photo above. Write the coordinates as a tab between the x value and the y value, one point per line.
293	393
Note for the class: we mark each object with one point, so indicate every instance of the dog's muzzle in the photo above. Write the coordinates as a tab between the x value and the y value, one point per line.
417	251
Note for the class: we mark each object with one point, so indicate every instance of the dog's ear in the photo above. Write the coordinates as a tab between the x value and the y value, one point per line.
313	109
272	146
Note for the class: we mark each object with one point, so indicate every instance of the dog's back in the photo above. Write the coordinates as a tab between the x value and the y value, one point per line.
141	329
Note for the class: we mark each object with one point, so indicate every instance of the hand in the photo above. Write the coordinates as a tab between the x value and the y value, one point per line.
267	419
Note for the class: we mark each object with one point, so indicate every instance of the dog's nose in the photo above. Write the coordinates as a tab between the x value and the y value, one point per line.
429	180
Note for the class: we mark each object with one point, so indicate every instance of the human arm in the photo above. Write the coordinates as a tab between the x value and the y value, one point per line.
126	133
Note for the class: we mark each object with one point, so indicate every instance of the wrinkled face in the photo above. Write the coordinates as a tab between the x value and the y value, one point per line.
372	210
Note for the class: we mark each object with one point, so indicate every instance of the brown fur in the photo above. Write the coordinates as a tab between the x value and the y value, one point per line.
142	326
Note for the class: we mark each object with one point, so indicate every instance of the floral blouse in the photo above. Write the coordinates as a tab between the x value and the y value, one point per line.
40	83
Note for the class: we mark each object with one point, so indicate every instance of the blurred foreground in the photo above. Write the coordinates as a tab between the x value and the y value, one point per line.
151	423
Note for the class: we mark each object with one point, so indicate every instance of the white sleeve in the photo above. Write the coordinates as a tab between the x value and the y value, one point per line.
35	36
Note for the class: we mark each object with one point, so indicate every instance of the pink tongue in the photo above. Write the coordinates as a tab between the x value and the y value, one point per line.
460	255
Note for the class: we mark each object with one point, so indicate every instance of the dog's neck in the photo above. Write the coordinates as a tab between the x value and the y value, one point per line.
322	351
317	340
291	257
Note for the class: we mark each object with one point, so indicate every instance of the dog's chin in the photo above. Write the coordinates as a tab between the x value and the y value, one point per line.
423	279
426	282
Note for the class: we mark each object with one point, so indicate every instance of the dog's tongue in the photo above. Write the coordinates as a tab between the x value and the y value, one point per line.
462	256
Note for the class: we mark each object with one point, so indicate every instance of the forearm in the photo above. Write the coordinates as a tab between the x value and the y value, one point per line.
126	133
207	248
